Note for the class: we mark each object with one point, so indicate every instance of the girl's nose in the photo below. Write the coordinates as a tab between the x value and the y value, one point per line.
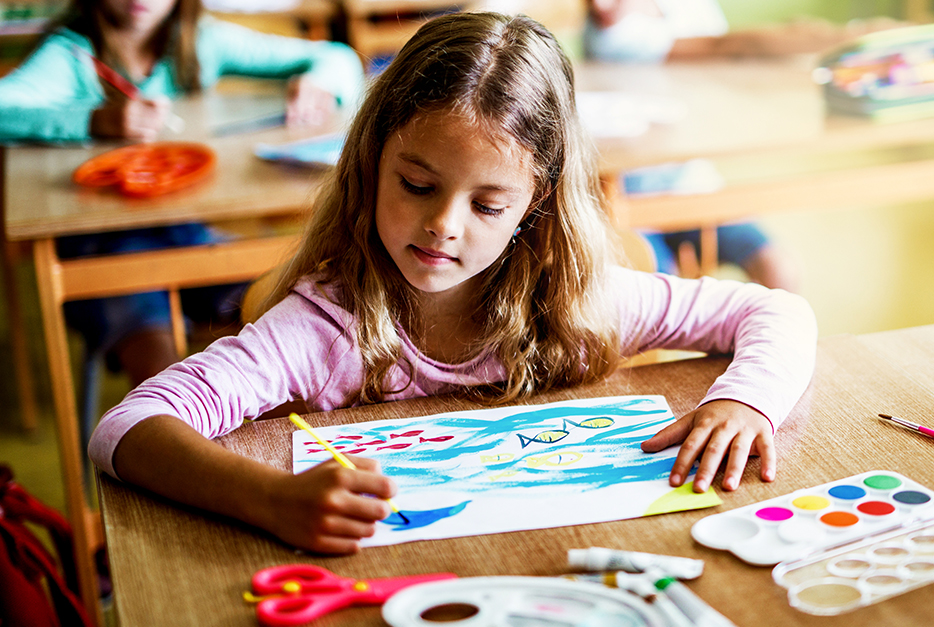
445	219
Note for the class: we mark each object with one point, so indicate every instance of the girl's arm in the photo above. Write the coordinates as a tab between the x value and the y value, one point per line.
159	436
230	49
50	96
325	509
772	335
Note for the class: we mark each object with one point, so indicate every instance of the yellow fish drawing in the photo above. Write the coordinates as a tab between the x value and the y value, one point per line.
559	458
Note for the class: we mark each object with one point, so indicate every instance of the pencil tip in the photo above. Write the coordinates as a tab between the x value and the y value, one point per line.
405	518
886	416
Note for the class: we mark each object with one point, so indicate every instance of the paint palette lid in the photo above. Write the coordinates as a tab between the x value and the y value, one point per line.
526	601
861	573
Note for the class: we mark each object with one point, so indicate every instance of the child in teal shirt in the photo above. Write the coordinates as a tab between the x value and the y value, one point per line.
167	49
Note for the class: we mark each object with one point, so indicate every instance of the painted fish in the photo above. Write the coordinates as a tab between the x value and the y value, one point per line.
407	434
398	446
545	437
597	422
560	458
422	518
440	438
496	459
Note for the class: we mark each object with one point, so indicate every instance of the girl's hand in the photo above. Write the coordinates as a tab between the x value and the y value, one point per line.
131	119
329	508
307	104
711	432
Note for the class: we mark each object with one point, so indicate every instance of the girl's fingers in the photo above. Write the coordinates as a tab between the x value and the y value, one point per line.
363	507
335	545
670	435
739	455
718	443
334	525
768	460
695	442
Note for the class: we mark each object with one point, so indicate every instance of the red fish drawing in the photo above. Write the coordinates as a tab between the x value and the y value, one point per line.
440	438
407	434
399	446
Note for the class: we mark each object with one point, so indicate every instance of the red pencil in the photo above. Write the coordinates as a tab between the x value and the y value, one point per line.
911	425
122	85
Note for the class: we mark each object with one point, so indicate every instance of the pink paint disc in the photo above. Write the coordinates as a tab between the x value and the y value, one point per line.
774	514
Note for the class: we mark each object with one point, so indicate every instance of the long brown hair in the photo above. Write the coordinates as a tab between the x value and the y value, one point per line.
540	306
176	38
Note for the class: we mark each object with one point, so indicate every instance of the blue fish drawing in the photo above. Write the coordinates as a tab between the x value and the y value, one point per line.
422	518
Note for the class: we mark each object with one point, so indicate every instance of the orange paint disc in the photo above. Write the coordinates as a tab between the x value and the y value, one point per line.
146	170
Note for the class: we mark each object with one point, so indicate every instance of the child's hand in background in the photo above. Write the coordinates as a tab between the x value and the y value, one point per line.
131	119
329	508
307	104
713	432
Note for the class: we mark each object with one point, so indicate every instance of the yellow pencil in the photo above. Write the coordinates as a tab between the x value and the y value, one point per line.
340	457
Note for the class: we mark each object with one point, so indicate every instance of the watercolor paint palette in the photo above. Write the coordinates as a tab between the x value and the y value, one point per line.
806	521
861	573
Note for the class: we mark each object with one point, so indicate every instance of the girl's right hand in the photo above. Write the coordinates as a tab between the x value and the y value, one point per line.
131	119
329	508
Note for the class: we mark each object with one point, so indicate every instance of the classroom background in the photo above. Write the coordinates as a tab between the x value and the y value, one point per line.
863	270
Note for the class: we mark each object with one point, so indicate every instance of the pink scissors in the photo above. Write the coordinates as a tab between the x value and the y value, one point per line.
294	594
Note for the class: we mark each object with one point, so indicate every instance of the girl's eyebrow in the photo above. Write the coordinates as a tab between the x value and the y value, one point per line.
414	159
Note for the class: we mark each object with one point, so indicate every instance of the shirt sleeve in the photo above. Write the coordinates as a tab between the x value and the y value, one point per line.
225	48
772	334
51	95
295	351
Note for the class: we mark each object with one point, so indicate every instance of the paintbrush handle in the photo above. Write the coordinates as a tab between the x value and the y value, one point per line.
340	457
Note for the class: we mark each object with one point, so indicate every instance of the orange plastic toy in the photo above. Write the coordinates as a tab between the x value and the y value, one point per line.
146	170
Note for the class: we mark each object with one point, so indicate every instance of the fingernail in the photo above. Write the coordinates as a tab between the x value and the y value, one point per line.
675	479
730	483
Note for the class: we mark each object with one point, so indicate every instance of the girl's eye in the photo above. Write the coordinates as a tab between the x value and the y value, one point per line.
489	211
413	188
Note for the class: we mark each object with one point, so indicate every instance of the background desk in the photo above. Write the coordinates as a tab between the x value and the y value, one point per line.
41	203
764	124
173	565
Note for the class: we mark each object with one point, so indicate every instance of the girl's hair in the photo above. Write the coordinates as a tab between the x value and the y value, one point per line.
176	38
540	307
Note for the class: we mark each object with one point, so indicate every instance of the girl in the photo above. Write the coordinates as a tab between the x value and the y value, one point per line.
166	49
460	246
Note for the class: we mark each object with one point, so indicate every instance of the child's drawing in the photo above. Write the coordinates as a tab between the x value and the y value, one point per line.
513	468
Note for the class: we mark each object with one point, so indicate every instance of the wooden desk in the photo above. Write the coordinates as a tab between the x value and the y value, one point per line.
173	565
41	204
764	124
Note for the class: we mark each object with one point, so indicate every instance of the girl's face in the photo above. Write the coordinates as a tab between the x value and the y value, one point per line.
142	16
449	199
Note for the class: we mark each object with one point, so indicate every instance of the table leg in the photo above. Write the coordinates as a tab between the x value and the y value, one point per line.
21	363
85	524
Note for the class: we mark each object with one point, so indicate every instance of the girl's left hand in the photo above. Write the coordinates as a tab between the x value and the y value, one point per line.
307	104
711	432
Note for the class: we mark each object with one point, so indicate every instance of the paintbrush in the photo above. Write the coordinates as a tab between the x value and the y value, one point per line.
338	456
910	425
173	122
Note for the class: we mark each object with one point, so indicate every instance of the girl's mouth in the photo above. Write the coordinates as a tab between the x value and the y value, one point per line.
431	256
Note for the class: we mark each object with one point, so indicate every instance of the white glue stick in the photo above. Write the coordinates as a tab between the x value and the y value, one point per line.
598	558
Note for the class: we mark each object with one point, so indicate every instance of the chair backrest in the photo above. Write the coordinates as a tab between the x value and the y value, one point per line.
637	250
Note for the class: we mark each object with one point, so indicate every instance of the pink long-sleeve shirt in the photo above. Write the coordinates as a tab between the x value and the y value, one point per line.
305	348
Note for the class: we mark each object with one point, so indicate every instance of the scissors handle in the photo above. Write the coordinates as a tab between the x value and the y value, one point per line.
299	609
382	589
320	591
